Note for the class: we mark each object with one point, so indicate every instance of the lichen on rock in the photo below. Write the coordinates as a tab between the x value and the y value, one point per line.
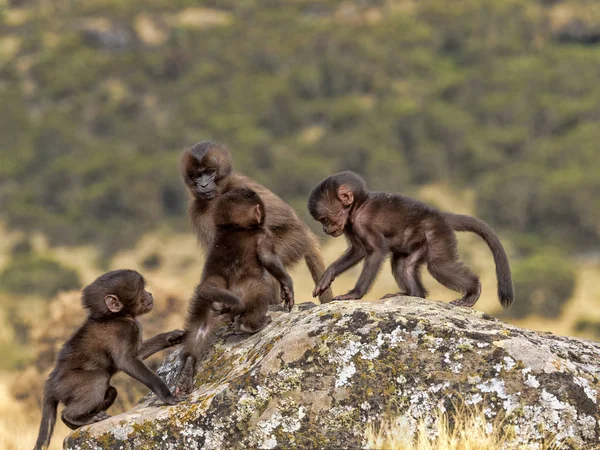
315	377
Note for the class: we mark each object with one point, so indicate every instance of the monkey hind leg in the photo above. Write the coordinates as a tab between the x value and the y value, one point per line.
458	277
92	398
185	380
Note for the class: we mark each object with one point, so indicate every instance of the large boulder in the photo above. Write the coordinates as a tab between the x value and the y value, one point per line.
316	377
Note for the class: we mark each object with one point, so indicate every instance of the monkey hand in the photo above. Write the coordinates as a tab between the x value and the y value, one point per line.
287	295
323	283
171	399
352	295
174	337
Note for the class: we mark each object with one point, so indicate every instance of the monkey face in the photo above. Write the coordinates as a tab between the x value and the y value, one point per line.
333	218
205	185
331	212
332	227
203	167
145	303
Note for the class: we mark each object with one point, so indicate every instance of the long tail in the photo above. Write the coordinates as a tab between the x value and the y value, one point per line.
460	222
47	423
316	267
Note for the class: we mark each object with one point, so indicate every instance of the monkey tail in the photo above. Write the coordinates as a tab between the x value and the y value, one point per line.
316	267
48	421
460	222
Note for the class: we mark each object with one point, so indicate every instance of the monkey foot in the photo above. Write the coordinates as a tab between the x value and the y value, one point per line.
185	380
101	416
397	294
463	302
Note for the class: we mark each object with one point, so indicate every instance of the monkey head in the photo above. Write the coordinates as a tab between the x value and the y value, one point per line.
240	208
331	201
203	167
119	292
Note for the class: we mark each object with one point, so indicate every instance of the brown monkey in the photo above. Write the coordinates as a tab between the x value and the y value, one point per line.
109	340
376	223
235	278
207	172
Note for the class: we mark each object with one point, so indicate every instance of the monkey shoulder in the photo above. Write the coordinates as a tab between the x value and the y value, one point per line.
114	333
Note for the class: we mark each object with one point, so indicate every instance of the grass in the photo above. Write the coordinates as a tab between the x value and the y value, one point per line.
468	429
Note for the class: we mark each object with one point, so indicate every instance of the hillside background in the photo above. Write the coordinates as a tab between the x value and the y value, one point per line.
486	107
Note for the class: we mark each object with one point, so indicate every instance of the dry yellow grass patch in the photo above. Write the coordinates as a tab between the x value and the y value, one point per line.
470	430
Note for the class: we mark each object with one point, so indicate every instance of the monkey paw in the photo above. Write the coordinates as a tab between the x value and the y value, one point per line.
463	302
352	295
324	283
396	294
175	337
101	416
287	295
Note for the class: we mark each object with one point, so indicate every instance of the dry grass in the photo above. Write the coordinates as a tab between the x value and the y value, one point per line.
19	424
466	430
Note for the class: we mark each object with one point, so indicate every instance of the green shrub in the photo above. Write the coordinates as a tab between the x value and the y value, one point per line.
544	282
31	274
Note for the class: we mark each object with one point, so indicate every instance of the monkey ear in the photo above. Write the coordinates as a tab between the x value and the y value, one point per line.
113	303
257	214
345	195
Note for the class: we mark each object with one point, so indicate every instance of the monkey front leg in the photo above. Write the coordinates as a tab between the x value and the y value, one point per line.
367	276
135	368
349	258
160	342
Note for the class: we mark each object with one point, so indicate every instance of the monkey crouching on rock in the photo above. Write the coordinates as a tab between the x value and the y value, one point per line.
236	278
109	340
378	223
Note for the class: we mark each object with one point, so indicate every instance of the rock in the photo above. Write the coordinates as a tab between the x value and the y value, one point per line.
315	377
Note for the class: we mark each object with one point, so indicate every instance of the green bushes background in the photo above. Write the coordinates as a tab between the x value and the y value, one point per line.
502	96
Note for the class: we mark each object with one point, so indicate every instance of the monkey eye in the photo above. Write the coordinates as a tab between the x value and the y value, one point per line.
209	171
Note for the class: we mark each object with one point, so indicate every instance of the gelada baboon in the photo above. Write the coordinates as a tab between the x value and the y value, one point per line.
235	278
378	223
207	172
109	340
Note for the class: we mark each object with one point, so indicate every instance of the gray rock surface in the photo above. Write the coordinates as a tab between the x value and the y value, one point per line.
316	377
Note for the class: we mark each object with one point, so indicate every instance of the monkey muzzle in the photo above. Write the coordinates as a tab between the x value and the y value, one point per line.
205	193
335	232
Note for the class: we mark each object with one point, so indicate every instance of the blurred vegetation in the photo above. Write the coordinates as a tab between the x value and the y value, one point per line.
33	274
99	98
544	282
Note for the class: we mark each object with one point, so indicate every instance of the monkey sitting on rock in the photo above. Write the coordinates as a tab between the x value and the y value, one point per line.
109	340
378	223
242	275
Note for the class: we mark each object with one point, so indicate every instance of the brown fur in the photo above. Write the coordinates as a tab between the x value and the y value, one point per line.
236	277
292	239
110	340
377	223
